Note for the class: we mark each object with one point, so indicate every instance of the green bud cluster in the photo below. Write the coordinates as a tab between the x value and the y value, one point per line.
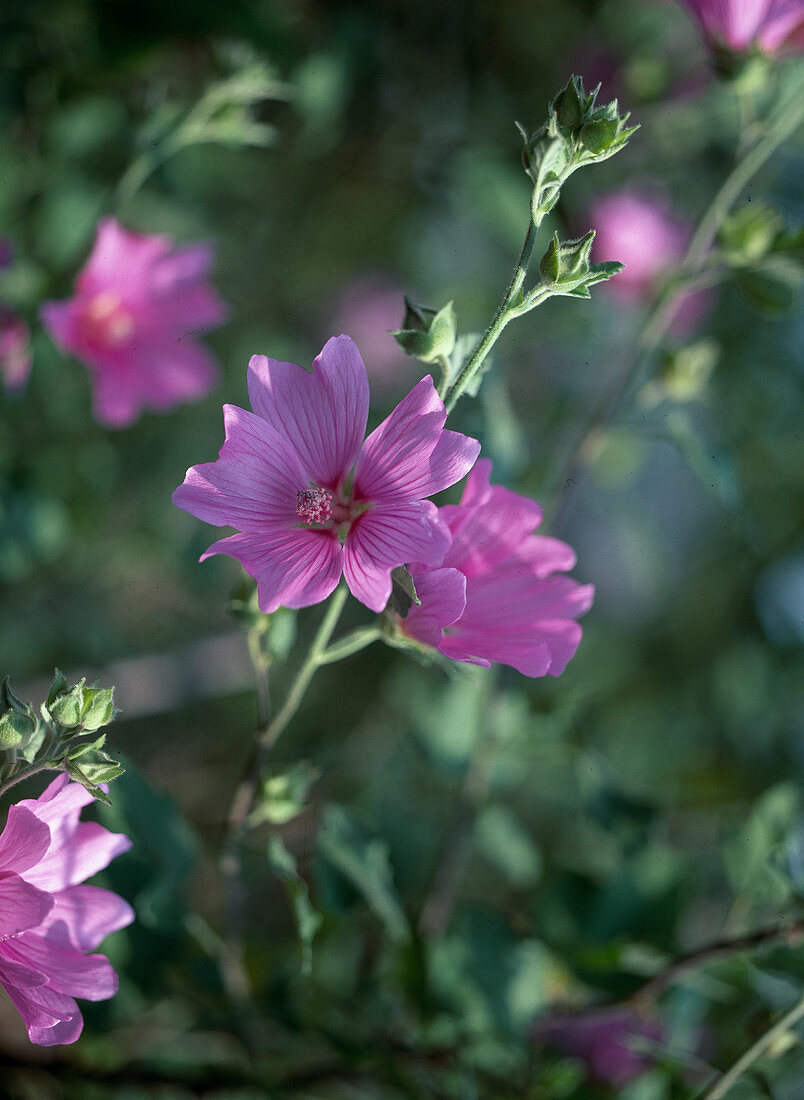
427	334
566	269
53	738
577	132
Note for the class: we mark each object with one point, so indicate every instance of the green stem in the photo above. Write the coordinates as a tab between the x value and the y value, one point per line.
24	773
791	116
352	643
312	662
692	274
732	1076
498	322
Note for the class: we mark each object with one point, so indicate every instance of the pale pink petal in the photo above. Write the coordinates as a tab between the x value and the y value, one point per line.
68	971
21	905
443	598
83	916
490	530
58	318
50	1018
410	456
252	485
386	536
294	568
174	372
116	399
783	19
321	413
548	555
121	259
24	840
86	851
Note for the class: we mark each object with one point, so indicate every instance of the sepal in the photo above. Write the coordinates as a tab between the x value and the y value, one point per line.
427	334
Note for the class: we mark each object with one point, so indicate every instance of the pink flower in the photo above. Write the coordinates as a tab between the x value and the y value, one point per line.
308	501
48	920
741	24
640	231
139	303
497	595
607	1041
370	306
15	350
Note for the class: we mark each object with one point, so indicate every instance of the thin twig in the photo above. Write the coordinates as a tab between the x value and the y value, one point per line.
790	933
732	1076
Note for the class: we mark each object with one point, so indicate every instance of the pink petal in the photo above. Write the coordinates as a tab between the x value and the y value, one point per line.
253	483
50	1018
548	555
68	971
489	529
388	535
294	568
21	905
76	857
83	916
443	598
121	260
24	840
322	414
410	456
59	319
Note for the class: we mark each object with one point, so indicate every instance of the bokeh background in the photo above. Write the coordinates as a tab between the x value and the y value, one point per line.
642	804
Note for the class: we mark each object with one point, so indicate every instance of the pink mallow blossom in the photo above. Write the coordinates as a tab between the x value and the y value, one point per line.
639	229
615	1043
138	305
499	594
48	918
741	24
309	499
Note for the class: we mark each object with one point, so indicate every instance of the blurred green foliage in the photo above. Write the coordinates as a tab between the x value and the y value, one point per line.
595	826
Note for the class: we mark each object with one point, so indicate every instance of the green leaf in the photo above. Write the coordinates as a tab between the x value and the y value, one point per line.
308	919
365	864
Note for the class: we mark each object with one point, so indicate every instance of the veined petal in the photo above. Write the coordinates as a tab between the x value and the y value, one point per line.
83	916
78	856
443	598
493	526
293	568
410	455
69	972
21	905
24	841
322	414
253	483
50	1018
388	535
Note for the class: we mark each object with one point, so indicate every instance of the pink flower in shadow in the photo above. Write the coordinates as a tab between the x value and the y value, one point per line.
309	498
49	920
639	230
499	595
608	1042
138	305
741	24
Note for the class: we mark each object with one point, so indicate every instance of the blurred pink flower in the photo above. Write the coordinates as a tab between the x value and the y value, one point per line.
606	1041
639	230
309	502
741	24
371	306
496	596
15	350
48	920
139	303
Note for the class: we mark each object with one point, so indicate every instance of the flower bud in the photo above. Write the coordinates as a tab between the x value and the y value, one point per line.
427	334
598	136
570	104
18	722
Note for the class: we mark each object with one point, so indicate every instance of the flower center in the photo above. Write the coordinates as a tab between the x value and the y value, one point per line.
314	505
105	322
